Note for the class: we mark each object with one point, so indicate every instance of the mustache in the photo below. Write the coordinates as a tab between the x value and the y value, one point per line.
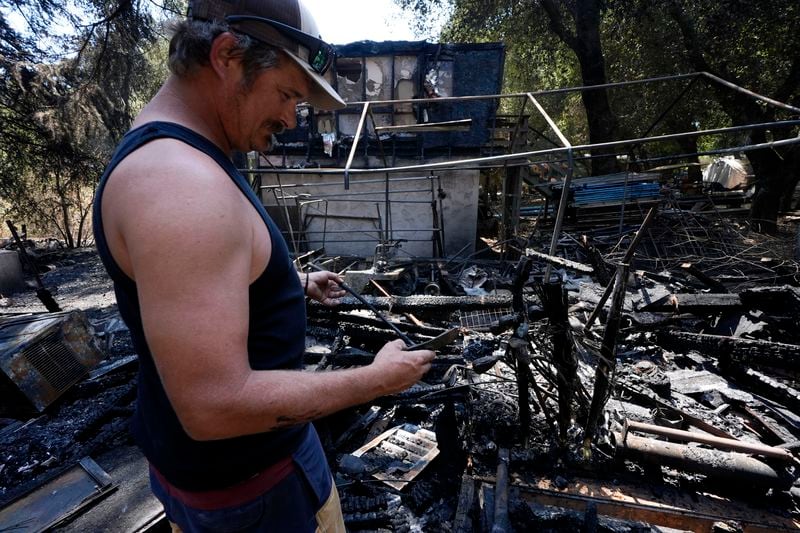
276	127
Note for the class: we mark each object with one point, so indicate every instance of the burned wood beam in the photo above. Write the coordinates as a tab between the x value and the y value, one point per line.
675	509
773	354
403	304
518	345
518	351
554	300
764	385
560	261
44	295
602	270
694	303
717	442
707	280
466	496
728	466
784	300
608	357
626	259
332	316
502	524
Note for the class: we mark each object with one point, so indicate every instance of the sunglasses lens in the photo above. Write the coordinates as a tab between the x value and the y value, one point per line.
320	61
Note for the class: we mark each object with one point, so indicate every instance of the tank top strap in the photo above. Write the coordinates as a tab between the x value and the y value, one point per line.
138	137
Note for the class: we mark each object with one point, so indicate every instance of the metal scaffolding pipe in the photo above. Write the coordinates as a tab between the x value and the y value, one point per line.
613	85
711	440
580	148
723	465
336	183
750	93
355	146
562	205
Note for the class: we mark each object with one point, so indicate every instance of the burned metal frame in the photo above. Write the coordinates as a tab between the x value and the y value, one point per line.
568	149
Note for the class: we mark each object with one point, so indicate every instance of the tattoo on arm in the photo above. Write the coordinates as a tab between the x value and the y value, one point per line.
287	421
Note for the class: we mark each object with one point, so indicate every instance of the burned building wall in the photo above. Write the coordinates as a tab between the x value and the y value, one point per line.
401	70
322	213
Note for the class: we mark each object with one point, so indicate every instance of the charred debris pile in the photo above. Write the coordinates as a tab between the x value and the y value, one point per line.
636	380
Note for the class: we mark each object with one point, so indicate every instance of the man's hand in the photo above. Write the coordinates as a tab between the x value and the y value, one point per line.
398	368
323	287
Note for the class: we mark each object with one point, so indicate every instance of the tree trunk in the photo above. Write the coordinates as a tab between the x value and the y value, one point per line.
764	210
588	48
64	205
601	119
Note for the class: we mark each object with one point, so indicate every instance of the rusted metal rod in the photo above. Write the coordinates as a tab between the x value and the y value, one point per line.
717	442
715	463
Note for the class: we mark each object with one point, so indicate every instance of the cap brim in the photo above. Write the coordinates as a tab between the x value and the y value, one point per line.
321	94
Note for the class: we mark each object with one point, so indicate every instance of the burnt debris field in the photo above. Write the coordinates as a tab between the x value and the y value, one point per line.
650	385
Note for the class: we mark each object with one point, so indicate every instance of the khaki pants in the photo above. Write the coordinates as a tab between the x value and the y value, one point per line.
329	517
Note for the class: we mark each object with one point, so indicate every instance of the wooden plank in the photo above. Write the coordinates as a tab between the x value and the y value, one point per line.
57	500
694	303
671	508
466	496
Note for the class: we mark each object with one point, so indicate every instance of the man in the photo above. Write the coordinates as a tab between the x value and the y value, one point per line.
205	283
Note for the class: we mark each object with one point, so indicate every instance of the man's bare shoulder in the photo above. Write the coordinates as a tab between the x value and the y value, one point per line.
169	196
168	178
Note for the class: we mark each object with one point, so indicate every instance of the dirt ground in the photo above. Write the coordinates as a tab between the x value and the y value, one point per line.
92	416
77	280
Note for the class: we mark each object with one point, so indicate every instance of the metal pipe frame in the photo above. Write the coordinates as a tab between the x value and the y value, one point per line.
567	147
367	193
708	76
562	205
499	160
336	184
502	159
717	442
348	170
353	148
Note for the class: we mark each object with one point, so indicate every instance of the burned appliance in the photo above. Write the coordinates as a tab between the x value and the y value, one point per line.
42	356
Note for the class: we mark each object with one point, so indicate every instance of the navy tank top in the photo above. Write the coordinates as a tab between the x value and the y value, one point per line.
276	340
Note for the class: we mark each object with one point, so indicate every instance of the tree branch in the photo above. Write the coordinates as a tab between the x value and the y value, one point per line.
557	24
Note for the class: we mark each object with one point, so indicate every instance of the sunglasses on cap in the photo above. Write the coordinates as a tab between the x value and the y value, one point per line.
320	53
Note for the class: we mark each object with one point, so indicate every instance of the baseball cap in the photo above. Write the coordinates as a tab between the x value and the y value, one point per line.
285	24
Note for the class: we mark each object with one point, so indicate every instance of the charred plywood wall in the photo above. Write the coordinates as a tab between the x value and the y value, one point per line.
322	214
400	70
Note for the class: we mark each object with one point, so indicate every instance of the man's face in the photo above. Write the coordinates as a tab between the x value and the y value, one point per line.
267	105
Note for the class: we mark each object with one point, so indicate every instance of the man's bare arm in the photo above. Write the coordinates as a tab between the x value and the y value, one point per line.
190	249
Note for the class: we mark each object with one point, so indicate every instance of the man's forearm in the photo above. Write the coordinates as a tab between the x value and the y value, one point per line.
274	399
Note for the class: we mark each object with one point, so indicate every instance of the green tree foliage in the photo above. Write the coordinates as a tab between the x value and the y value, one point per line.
66	98
558	43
